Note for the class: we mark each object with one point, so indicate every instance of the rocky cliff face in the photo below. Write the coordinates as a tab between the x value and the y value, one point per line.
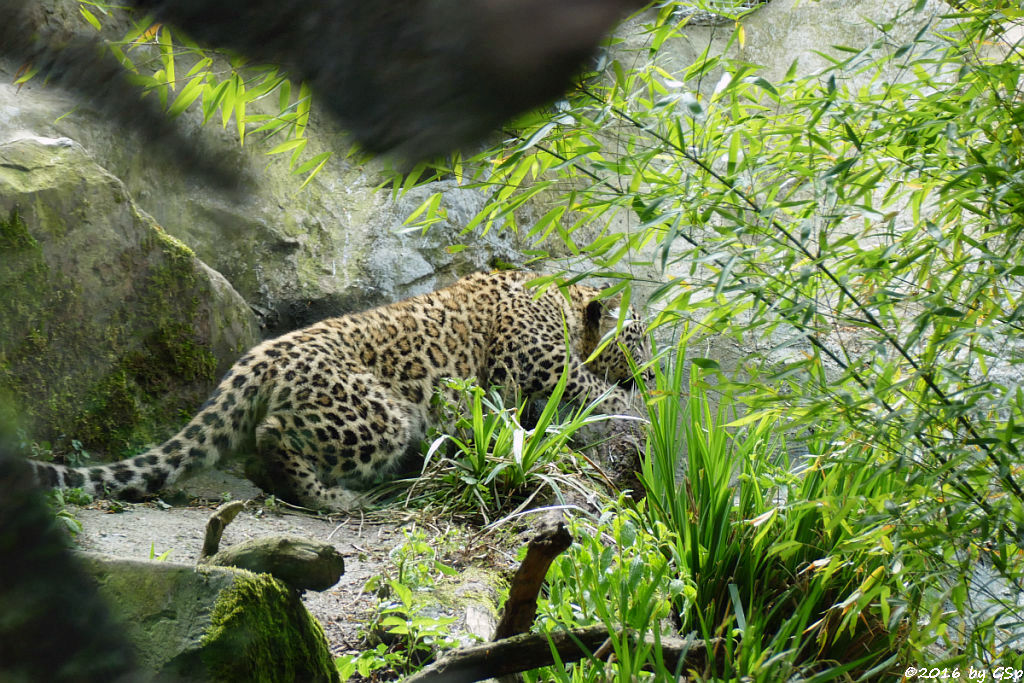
128	285
294	255
109	327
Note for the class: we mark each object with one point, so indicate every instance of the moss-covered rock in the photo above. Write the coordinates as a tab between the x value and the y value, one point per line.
213	623
111	331
260	631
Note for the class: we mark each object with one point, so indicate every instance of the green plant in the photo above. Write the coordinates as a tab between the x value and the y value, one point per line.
416	635
787	565
407	637
59	499
615	573
793	559
365	663
858	230
182	75
77	456
43	450
76	496
496	465
161	557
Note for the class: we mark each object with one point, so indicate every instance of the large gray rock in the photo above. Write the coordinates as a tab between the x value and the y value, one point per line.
109	327
296	255
212	623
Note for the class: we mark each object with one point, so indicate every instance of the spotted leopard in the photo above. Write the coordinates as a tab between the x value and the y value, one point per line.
346	398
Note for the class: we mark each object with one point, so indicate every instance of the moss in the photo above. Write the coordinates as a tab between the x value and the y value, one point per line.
14	234
473	587
113	379
276	641
171	352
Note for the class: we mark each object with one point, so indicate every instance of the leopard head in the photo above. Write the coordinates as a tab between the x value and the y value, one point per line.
600	320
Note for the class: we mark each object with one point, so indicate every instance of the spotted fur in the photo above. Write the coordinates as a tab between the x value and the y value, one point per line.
348	397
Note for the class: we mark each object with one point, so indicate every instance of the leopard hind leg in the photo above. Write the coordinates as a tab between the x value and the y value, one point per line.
351	430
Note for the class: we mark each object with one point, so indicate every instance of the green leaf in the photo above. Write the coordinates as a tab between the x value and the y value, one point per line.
167	55
27	75
314	164
324	158
230	97
91	18
187	96
213	99
302	109
763	84
288	146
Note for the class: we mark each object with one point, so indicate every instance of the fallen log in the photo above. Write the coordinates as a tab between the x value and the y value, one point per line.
301	563
534	650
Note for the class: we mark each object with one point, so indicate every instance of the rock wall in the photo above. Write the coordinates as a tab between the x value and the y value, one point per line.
109	327
130	285
294	254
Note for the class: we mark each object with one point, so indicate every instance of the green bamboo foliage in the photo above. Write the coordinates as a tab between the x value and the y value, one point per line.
859	236
256	100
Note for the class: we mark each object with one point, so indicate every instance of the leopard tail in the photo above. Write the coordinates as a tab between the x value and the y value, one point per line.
224	423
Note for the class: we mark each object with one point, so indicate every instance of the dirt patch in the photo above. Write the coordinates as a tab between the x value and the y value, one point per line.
149	530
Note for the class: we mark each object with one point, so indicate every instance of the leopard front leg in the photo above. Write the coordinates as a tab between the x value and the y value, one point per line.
584	385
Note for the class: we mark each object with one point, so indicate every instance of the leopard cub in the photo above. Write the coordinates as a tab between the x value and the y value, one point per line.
346	398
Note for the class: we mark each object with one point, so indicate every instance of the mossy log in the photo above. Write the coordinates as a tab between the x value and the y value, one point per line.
301	563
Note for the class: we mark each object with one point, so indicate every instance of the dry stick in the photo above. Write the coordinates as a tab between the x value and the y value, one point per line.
521	606
220	518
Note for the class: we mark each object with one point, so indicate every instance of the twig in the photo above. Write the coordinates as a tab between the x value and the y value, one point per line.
215	526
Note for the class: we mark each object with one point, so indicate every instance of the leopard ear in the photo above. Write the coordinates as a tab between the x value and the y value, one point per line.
592	315
607	306
611	303
591	325
596	316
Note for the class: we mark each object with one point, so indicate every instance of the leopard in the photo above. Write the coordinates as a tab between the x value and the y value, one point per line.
326	408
